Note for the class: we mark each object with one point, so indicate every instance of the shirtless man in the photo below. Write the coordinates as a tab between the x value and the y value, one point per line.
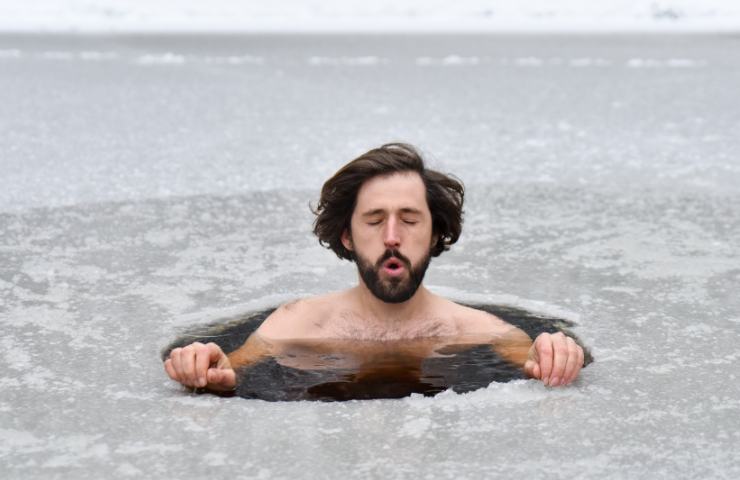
389	214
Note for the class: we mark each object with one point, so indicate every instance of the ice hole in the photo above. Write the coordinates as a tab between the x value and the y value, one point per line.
395	374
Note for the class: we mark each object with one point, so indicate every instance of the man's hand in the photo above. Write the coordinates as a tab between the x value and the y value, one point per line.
199	365
554	358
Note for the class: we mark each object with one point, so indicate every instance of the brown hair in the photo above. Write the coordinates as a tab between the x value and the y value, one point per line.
445	195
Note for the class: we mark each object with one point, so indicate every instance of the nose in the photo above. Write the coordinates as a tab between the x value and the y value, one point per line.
391	235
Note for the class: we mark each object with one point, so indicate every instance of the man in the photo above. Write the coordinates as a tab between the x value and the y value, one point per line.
389	214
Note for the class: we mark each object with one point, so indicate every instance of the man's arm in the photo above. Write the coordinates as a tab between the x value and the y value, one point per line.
206	366
554	358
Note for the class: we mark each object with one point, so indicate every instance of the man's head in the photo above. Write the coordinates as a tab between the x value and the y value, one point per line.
390	214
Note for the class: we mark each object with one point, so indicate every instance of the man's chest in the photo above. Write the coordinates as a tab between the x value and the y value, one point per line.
351	325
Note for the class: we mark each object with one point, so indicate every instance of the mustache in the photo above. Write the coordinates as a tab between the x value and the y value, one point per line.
393	253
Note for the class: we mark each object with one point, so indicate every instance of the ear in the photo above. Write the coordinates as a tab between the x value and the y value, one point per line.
435	237
347	239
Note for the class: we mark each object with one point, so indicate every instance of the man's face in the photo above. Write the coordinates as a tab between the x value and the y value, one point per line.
391	235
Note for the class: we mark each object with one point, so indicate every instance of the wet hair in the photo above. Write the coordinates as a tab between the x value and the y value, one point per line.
444	193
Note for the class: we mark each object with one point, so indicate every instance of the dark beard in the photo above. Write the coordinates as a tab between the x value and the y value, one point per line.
394	290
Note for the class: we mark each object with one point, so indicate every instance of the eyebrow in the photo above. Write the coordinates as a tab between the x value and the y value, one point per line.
378	211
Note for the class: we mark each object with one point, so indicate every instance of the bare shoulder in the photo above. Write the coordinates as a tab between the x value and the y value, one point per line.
479	322
300	318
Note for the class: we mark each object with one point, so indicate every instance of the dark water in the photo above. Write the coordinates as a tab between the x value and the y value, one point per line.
392	374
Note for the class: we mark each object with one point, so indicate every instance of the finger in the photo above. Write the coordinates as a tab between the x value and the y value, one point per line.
579	363
529	368
560	357
187	358
214	352
543	344
170	369
571	364
175	355
532	369
221	378
202	362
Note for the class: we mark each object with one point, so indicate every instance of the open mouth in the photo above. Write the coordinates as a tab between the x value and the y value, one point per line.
393	266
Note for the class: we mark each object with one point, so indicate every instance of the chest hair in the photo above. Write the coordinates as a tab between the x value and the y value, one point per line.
350	325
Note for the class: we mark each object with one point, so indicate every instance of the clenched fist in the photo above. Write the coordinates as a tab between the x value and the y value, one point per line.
201	365
555	359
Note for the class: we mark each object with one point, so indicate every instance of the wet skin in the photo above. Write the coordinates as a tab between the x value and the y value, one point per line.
368	356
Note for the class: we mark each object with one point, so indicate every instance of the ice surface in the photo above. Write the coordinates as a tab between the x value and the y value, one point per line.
360	15
138	198
155	132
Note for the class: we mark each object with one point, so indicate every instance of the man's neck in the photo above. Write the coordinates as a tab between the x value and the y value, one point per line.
392	314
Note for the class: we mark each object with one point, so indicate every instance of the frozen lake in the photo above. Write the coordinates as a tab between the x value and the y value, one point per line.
150	183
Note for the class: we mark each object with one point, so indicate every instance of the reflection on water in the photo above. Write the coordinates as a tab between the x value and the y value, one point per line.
344	370
351	369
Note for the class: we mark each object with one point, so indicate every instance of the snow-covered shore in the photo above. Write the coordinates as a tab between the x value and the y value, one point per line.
192	16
